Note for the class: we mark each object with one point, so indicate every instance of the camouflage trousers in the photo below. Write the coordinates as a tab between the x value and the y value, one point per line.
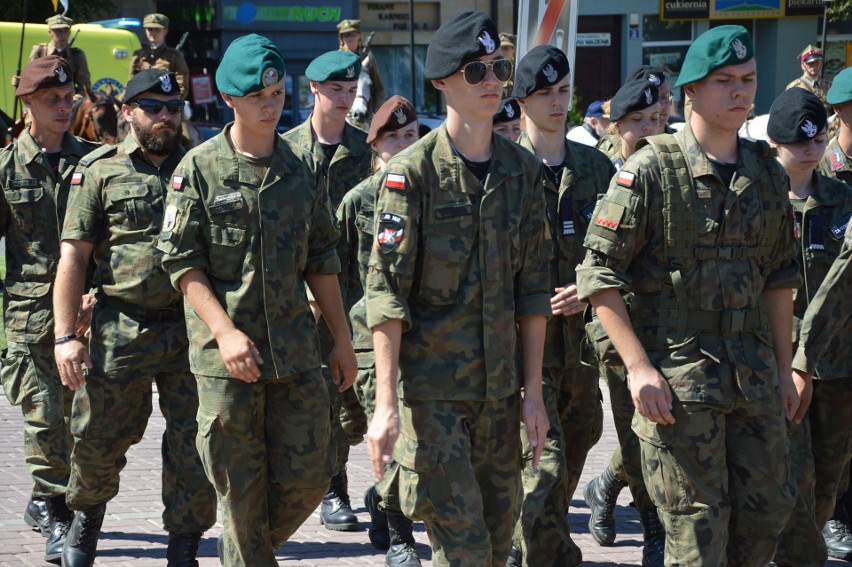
720	479
573	402
268	450
626	460
30	380
819	451
111	413
459	475
348	420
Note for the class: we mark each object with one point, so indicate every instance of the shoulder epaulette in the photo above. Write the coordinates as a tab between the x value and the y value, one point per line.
97	154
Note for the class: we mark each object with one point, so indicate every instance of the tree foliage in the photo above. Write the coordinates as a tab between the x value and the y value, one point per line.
40	10
839	10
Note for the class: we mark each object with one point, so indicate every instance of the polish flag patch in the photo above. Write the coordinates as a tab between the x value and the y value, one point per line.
395	181
626	179
77	178
177	183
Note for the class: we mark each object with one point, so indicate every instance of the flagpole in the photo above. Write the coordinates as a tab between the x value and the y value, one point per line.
20	58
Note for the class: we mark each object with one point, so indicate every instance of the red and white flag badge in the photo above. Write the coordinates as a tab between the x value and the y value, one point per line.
626	179
77	178
177	182
395	181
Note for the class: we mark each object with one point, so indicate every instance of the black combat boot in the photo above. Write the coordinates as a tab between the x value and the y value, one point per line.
60	523
378	532
654	549
838	538
183	549
516	558
336	510
35	515
82	542
401	552
601	494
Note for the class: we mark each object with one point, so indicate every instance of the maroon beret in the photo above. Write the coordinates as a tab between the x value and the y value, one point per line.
45	73
394	114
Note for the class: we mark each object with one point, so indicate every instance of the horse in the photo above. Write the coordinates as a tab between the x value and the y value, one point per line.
95	118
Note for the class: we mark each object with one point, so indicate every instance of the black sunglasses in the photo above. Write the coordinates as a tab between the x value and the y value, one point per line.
475	71
154	106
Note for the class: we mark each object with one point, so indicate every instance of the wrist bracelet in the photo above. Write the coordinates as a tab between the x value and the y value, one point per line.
65	339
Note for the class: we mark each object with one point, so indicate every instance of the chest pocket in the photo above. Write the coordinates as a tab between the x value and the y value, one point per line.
130	205
24	203
446	261
364	224
227	251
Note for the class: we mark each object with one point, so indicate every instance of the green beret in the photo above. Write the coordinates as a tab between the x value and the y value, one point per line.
334	66
841	87
719	47
466	37
796	115
250	64
543	66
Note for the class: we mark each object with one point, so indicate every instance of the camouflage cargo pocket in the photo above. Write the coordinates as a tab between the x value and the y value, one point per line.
211	446
664	477
425	490
13	373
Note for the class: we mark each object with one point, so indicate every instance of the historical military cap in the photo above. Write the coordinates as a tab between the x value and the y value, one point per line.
509	110
841	87
718	47
151	81
466	37
542	66
347	26
810	53
796	115
596	110
507	38
250	64
44	73
394	114
648	72
634	95
58	22
155	21
334	66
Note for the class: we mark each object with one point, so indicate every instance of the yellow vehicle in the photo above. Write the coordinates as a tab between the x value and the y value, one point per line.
109	52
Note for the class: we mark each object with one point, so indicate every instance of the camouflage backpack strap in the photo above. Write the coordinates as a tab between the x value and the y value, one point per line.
775	202
95	155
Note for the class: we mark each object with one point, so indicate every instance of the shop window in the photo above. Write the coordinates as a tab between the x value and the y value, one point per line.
395	68
664	45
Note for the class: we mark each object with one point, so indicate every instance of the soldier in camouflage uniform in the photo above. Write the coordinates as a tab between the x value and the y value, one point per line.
35	176
838	155
507	121
158	55
708	250
575	175
811	58
394	128
344	160
457	284
59	28
819	439
247	227
634	113
138	330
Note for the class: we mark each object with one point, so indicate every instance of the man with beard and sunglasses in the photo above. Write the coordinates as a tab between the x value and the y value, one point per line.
138	333
458	299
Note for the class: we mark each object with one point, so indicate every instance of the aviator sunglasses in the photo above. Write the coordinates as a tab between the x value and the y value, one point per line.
153	106
475	71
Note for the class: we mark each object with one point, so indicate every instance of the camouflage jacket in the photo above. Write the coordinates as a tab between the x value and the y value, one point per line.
459	263
166	59
569	210
116	204
350	164
627	251
32	209
76	58
819	88
835	163
822	223
256	245
829	314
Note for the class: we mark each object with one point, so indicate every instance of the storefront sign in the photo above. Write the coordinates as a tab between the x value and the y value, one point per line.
594	40
804	7
274	15
737	9
394	16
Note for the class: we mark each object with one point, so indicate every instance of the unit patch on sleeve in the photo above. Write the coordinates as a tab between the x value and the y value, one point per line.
391	229
837	159
169	218
609	215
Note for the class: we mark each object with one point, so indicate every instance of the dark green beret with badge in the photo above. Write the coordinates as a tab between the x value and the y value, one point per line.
151	81
250	64
334	66
509	110
543	66
634	95
716	48
466	37
841	87
797	115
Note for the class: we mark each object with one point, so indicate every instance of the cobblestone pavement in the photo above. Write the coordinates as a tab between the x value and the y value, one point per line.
132	532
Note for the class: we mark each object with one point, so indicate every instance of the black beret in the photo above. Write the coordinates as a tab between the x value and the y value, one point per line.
543	66
796	115
396	113
466	37
44	73
151	81
634	95
509	110
648	72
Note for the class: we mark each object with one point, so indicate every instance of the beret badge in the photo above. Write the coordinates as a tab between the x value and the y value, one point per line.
550	73
510	112
166	84
350	72
486	41
809	128
739	48
61	74
270	76
400	116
